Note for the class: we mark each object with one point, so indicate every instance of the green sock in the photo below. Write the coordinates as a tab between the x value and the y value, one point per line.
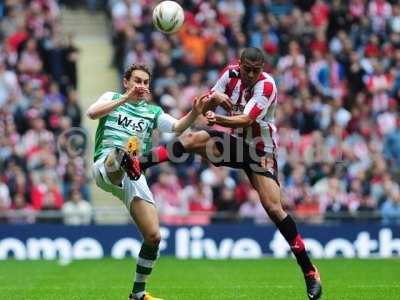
147	256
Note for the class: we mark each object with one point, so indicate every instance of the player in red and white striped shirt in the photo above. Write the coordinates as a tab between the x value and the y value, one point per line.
250	96
257	100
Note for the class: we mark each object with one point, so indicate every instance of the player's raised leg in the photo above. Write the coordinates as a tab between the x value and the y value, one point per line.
112	165
145	216
192	142
119	161
270	196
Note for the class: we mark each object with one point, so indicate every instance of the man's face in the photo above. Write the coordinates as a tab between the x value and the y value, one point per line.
139	80
250	70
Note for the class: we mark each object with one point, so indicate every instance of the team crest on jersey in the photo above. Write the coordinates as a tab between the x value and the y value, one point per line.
234	73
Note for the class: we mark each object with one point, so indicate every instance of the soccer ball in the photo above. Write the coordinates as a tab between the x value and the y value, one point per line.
168	17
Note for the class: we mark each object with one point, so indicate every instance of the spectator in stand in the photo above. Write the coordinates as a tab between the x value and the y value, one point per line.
391	207
355	195
336	65
30	64
198	197
22	212
8	83
168	196
77	211
5	200
70	61
46	195
252	209
367	207
226	205
391	146
308	209
37	80
336	210
73	110
380	12
17	183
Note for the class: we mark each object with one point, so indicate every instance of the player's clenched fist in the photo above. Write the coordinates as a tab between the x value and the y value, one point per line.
222	100
211	119
215	99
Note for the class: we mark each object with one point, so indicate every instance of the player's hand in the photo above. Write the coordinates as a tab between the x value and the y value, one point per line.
135	93
142	92
222	100
211	118
199	103
130	93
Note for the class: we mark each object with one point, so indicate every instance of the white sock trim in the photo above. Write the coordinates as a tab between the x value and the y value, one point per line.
140	277
147	263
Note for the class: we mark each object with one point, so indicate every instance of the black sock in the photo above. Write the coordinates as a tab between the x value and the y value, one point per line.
160	154
149	159
289	231
144	266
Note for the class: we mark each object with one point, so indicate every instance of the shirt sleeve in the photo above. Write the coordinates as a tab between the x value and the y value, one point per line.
165	122
107	96
220	86
264	95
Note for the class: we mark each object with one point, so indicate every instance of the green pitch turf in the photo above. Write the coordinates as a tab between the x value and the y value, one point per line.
198	279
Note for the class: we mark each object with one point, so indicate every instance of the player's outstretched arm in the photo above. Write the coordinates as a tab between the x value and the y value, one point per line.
104	105
256	107
183	123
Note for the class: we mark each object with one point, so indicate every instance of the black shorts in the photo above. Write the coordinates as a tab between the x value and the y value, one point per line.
236	153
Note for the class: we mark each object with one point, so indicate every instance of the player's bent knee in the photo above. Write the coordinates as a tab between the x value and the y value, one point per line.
194	139
187	140
153	238
201	138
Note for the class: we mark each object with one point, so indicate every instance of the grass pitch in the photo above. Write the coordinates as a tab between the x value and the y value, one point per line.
175	279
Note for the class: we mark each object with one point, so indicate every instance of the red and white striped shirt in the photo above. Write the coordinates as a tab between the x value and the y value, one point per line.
259	102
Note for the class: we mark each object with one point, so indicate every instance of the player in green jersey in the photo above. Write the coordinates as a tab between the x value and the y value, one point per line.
126	124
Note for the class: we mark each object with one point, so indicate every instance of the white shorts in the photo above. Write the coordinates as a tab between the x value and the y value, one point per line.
129	189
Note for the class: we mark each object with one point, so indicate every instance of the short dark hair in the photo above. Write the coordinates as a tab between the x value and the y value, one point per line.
133	67
252	54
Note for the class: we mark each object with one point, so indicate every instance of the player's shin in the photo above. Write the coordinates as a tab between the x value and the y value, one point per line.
147	256
288	229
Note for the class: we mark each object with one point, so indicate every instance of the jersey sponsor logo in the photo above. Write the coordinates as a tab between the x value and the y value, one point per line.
140	125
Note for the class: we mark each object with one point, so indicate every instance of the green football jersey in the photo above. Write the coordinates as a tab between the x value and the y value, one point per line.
127	120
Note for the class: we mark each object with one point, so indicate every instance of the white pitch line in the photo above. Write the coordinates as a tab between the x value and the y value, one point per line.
374	286
58	288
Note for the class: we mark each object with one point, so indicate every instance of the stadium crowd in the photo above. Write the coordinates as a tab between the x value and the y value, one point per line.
39	104
337	67
336	64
